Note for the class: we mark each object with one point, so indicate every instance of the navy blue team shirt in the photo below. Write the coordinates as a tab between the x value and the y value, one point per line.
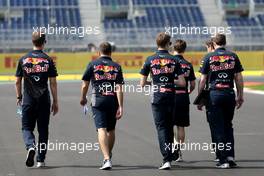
104	74
188	72
164	69
36	67
221	66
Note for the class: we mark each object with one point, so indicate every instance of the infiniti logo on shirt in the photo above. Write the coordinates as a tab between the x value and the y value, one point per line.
222	75
106	84
36	78
164	79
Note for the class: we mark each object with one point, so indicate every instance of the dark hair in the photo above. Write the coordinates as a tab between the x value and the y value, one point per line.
220	39
163	39
210	43
38	39
180	46
105	48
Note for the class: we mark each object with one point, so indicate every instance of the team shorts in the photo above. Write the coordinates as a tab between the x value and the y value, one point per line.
181	114
105	117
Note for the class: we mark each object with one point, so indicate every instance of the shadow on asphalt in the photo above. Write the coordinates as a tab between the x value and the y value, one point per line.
176	166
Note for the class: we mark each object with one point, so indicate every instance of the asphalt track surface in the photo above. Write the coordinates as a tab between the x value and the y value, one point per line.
136	151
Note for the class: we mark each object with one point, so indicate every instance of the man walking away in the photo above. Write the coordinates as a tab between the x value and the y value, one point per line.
107	98
36	68
222	68
181	116
164	70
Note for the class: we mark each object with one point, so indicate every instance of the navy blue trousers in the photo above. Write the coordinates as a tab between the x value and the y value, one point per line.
220	115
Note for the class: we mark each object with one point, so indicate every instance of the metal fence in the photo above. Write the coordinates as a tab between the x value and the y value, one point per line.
136	39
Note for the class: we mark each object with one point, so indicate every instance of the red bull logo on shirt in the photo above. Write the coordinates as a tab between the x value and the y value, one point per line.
105	76
35	61
162	62
185	66
221	59
36	69
105	68
224	61
107	72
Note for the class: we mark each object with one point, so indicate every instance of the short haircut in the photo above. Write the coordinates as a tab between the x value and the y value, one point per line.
38	39
105	48
163	39
220	39
180	46
209	43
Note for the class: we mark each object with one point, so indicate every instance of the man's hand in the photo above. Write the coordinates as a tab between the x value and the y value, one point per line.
119	112
54	108
239	102
84	90
83	101
19	102
200	107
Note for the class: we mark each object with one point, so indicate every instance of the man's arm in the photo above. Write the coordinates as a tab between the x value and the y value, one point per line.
144	82
180	82
120	98
192	86
240	89
19	90
84	90
201	87
202	83
53	88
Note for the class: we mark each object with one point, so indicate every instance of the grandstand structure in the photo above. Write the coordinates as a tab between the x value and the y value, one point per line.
130	24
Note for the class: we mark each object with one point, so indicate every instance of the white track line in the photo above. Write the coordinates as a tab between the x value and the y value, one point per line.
259	92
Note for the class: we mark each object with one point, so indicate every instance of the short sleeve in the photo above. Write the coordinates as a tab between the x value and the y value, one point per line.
52	69
178	70
120	78
88	73
19	70
145	70
238	66
192	75
204	67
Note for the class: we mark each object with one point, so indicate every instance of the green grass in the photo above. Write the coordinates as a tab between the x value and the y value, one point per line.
259	87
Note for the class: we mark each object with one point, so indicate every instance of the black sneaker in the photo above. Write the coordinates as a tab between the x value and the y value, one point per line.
30	157
231	162
222	165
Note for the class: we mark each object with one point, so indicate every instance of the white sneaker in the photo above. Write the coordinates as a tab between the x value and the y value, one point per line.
216	160
30	157
41	164
222	166
107	165
180	159
165	166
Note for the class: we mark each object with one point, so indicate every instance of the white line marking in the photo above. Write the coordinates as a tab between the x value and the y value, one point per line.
259	92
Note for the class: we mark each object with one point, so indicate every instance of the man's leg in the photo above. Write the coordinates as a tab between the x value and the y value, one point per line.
165	134
216	120
111	140
43	130
180	134
229	131
28	125
104	143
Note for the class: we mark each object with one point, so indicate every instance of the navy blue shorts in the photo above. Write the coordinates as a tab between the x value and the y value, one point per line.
105	117
181	114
